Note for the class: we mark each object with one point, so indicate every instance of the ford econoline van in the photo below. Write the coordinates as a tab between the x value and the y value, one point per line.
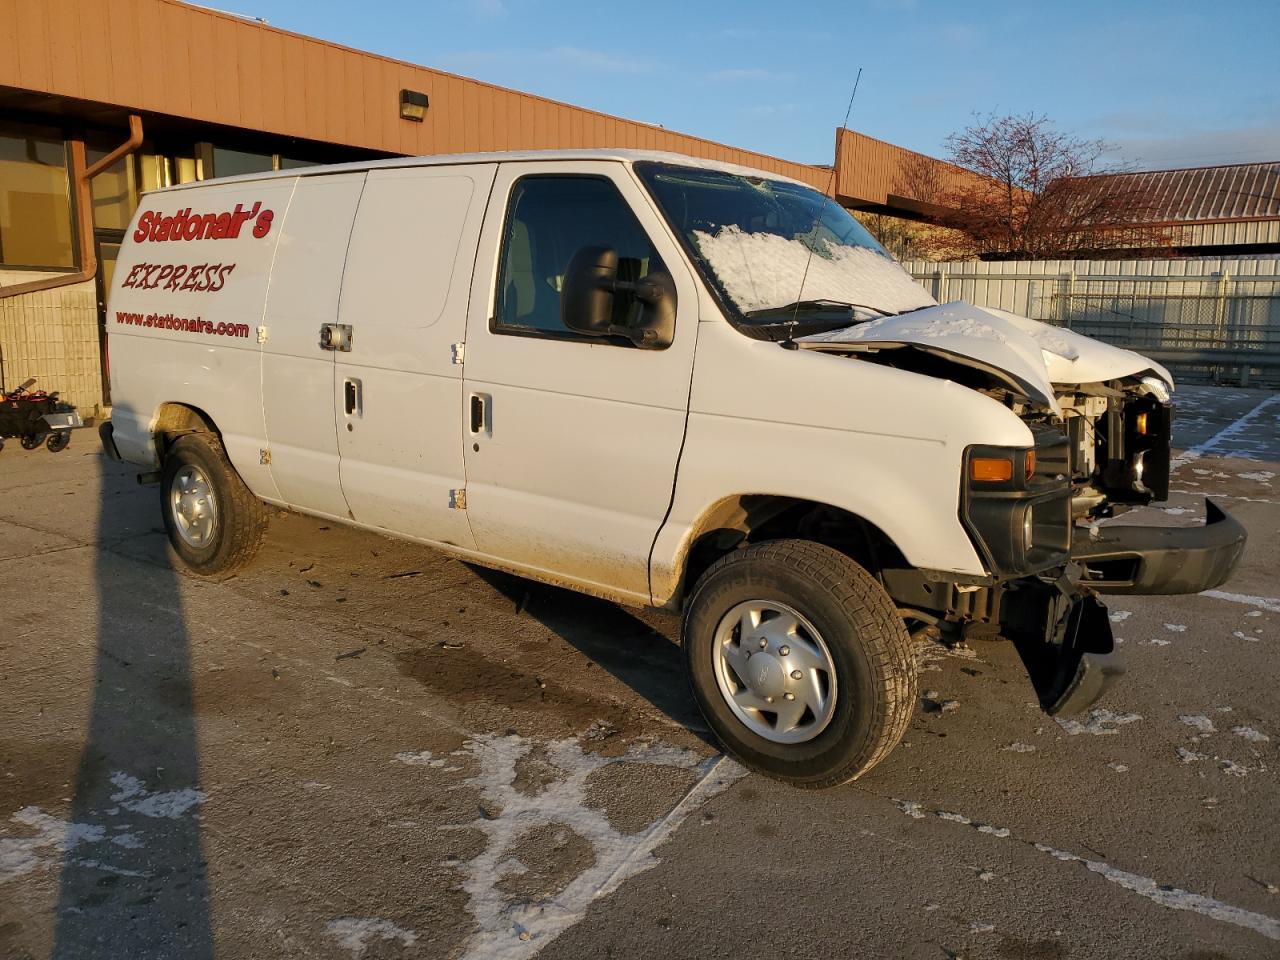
664	381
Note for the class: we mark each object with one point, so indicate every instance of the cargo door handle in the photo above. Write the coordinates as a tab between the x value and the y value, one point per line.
479	412
353	397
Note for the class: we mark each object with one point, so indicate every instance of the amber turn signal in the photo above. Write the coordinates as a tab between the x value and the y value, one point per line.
1142	423
1030	464
991	469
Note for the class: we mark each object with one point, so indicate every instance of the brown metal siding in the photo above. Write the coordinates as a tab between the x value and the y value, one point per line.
869	170
165	57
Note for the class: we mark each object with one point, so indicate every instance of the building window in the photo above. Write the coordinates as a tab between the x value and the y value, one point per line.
35	199
114	191
235	163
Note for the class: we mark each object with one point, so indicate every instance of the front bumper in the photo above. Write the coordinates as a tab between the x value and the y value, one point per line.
1161	560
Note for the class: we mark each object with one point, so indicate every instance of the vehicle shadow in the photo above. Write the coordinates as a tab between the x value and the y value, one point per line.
134	879
646	659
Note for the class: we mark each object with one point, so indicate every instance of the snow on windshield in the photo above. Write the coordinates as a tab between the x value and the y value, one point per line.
764	270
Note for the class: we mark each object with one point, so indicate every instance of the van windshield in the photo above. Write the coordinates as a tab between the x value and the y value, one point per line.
778	252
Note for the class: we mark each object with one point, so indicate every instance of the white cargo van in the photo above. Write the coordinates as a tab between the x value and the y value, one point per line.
663	381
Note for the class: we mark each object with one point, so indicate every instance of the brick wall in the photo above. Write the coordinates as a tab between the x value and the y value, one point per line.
53	336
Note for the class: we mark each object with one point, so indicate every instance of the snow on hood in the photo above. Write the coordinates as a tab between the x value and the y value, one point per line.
763	270
1028	355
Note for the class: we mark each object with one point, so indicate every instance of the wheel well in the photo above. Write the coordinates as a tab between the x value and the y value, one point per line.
176	420
743	520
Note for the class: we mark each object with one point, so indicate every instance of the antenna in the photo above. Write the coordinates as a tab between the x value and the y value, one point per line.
818	219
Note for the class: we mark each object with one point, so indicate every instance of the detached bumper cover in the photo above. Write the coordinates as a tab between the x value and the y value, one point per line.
1161	560
106	433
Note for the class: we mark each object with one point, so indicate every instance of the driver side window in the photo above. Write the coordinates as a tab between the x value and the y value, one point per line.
549	218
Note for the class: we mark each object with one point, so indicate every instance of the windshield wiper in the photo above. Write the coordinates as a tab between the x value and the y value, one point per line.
811	306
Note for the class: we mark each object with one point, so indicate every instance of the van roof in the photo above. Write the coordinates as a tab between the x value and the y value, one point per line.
508	156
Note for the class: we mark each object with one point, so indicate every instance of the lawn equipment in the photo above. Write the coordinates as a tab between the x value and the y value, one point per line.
36	417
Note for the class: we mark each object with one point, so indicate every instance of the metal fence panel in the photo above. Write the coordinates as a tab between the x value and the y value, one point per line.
1208	320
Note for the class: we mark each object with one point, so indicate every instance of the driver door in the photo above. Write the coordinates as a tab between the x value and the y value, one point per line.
572	441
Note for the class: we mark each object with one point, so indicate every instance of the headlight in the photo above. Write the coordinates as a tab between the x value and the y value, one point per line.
1158	388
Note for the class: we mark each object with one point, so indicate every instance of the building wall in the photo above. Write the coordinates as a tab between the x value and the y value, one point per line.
166	57
53	336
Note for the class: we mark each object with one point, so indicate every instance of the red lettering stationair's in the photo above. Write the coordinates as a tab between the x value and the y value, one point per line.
155	227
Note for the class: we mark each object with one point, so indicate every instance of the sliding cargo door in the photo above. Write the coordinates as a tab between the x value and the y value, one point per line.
398	390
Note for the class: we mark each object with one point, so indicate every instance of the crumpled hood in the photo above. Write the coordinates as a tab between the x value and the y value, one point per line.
1027	355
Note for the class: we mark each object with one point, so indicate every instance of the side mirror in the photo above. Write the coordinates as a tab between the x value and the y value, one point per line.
587	300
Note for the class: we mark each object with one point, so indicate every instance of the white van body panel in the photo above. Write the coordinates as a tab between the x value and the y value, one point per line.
297	377
195	346
576	461
890	446
404	294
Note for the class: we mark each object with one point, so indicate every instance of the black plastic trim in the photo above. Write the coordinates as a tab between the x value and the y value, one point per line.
1162	560
106	433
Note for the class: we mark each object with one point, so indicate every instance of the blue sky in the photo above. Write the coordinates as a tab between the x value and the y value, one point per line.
1172	83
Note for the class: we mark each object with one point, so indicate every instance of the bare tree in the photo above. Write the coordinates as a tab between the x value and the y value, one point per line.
1040	193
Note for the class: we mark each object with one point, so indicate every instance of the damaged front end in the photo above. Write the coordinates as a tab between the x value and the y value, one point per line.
1041	517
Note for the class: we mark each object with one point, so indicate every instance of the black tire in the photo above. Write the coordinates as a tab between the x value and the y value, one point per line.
866	638
32	440
58	441
240	522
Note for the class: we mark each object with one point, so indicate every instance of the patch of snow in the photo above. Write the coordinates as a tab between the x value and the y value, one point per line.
1018	748
1262	476
981	926
1101	723
1233	769
911	808
1263	603
1001	832
1117	767
1119	616
1176	627
170	804
1172	897
21	855
1250	734
1156	642
1200	722
986	876
1165	894
1190	756
763	270
516	930
1177	511
354	933
421	759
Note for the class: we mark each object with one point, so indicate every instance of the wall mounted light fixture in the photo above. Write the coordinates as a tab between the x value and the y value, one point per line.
413	105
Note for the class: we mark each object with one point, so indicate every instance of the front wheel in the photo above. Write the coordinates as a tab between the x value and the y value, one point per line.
215	523
799	662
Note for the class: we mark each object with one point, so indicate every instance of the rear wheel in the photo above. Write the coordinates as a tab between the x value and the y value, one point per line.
32	440
799	662
58	441
215	524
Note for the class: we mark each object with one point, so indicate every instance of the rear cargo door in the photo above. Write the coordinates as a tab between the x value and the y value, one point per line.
297	372
398	390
